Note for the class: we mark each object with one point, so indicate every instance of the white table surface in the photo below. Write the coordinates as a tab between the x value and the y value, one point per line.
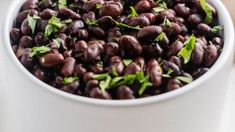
228	123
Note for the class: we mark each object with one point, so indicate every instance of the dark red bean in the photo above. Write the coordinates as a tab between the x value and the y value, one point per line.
96	32
140	61
92	53
23	15
26	60
51	59
154	71
152	50
25	29
40	74
132	68
80	46
30	4
96	68
88	16
69	13
117	64
198	54
199	72
70	88
48	13
46	4
204	29
80	70
114	34
124	92
170	65
130	46
75	26
211	55
97	93
82	34
149	32
218	41
15	35
111	49
91	4
140	21
68	67
41	25
152	17
26	41
40	39
173	84
169	14
195	19
113	9
90	85
176	47
176	60
143	6
182	10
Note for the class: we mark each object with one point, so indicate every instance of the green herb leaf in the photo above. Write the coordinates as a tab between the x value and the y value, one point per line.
140	77
117	81
160	37
120	24
35	51
68	80
100	64
166	76
100	76
144	85
216	29
158	9
185	79
67	21
98	6
188	48
104	84
91	22
170	71
133	12
32	20
58	42
162	6
114	71
62	3
167	22
129	79
127	61
208	10
54	24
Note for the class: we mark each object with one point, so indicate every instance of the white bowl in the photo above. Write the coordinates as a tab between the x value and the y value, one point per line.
38	107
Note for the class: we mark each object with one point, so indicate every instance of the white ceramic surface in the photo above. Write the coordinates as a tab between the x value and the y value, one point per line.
43	109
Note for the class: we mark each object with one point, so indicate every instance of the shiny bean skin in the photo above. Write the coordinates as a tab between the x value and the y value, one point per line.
153	50
154	72
198	54
92	53
149	32
130	46
97	93
25	29
80	46
117	63
199	72
169	65
176	47
111	49
151	16
97	31
23	15
124	92
69	13
143	6
90	85
75	26
68	67
211	55
182	10
140	21
91	4
195	19
51	59
40	74
29	4
88	76
15	35
114	10
26	41
173	84
70	88
205	29
95	68
132	68
80	70
83	34
48	13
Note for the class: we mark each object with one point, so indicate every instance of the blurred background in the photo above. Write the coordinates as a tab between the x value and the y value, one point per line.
230	4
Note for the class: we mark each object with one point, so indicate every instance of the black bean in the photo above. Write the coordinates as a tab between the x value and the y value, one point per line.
70	88
91	4
15	35
80	46
132	68
25	29
204	29
154	71
117	64
92	53
218	41
75	26
152	50
88	76
113	9
211	55
26	41
68	67
111	49
124	92
194	19
130	46
176	47
198	54
40	74
151	16
51	59
170	65
173	84
199	72
182	10
143	6
140	21
90	85
40	39
48	13
96	32
69	13
30	4
149	32
97	93
96	68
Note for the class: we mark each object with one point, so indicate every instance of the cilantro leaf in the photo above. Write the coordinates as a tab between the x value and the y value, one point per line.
35	51
160	37
32	20
68	80
114	71
91	22
185	79
133	12
208	10
120	24
127	62
162	6
104	84
98	6
62	3
54	24
58	42
188	48
100	76
167	22
144	85
216	29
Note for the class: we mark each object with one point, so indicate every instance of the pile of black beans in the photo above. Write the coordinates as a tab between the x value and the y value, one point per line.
117	49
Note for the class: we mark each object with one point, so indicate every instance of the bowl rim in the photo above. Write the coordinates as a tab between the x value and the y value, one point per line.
223	58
